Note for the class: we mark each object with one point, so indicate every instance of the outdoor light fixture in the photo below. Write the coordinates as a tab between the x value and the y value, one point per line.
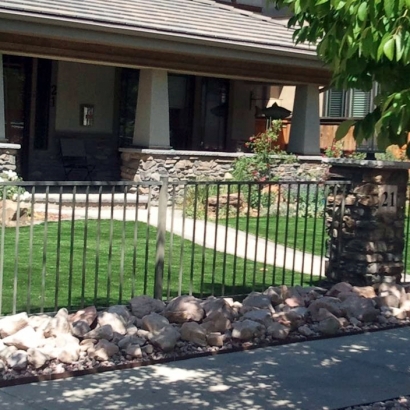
86	115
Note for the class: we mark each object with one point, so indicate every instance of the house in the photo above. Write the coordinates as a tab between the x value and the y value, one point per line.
148	76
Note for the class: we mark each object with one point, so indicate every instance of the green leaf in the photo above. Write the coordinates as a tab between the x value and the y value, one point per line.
389	7
388	49
362	12
343	129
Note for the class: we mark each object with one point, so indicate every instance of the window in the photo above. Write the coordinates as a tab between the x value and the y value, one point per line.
348	104
351	104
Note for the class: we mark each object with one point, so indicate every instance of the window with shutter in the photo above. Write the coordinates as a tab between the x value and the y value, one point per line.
360	102
335	106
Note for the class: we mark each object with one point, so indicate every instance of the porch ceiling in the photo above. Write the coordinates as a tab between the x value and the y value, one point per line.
192	36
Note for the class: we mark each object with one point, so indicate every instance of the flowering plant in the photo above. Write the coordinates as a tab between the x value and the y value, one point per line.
335	150
12	192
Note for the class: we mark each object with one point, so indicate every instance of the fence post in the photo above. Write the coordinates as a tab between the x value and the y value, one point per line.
161	231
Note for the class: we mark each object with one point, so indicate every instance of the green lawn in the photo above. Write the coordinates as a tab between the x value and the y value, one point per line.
112	261
304	234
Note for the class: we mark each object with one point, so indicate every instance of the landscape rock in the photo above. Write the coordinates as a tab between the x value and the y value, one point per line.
192	332
80	328
183	309
12	324
88	315
214	305
166	338
24	339
134	351
130	340
305	330
116	321
247	330
36	358
154	322
329	325
144	305
216	321
7	351
121	311
261	316
215	339
58	324
332	304
389	300
360	308
103	350
255	301
18	360
39	322
341	287
103	332
67	355
278	331
367	292
274	293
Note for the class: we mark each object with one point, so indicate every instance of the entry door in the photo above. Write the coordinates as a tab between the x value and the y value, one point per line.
17	79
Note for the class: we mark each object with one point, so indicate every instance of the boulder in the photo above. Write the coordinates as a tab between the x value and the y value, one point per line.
183	309
80	328
39	322
88	315
18	360
333	305
192	332
7	351
86	344
214	305
367	292
59	324
130	340
262	316
134	351
341	287
256	301
216	322
389	300
103	350
154	322
12	324
116	321
166	338
103	332
215	339
36	358
144	305
274	293
305	330
24	339
67	355
360	308
278	331
330	325
294	301
120	310
247	330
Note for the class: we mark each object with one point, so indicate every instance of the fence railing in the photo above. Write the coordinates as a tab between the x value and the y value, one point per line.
72	244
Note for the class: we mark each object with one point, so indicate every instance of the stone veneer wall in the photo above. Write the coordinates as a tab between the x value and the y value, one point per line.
366	223
10	157
149	165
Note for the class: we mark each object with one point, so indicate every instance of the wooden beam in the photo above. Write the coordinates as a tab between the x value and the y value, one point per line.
184	63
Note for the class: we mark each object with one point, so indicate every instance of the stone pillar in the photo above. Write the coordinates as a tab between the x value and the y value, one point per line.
366	222
152	115
305	128
2	103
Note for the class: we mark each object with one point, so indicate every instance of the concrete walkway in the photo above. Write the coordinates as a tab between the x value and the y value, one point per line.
325	374
212	236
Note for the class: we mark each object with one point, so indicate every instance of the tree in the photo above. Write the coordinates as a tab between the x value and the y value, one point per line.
362	42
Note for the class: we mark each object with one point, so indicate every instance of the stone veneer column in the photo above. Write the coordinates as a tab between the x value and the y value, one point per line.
2	103
152	112
366	222
304	136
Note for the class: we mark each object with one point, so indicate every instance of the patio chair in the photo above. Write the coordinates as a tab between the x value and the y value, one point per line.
75	158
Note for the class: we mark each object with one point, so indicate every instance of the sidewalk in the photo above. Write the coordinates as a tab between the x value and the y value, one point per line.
214	236
324	374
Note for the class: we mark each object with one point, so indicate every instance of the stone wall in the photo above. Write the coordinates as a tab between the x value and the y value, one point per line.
366	222
149	165
9	157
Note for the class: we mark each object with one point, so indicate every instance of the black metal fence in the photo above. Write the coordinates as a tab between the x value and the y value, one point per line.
73	244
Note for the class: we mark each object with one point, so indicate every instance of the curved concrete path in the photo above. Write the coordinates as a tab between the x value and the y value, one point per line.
212	236
324	374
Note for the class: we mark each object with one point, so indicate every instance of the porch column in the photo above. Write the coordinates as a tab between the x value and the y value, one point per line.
2	103
305	129
152	116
